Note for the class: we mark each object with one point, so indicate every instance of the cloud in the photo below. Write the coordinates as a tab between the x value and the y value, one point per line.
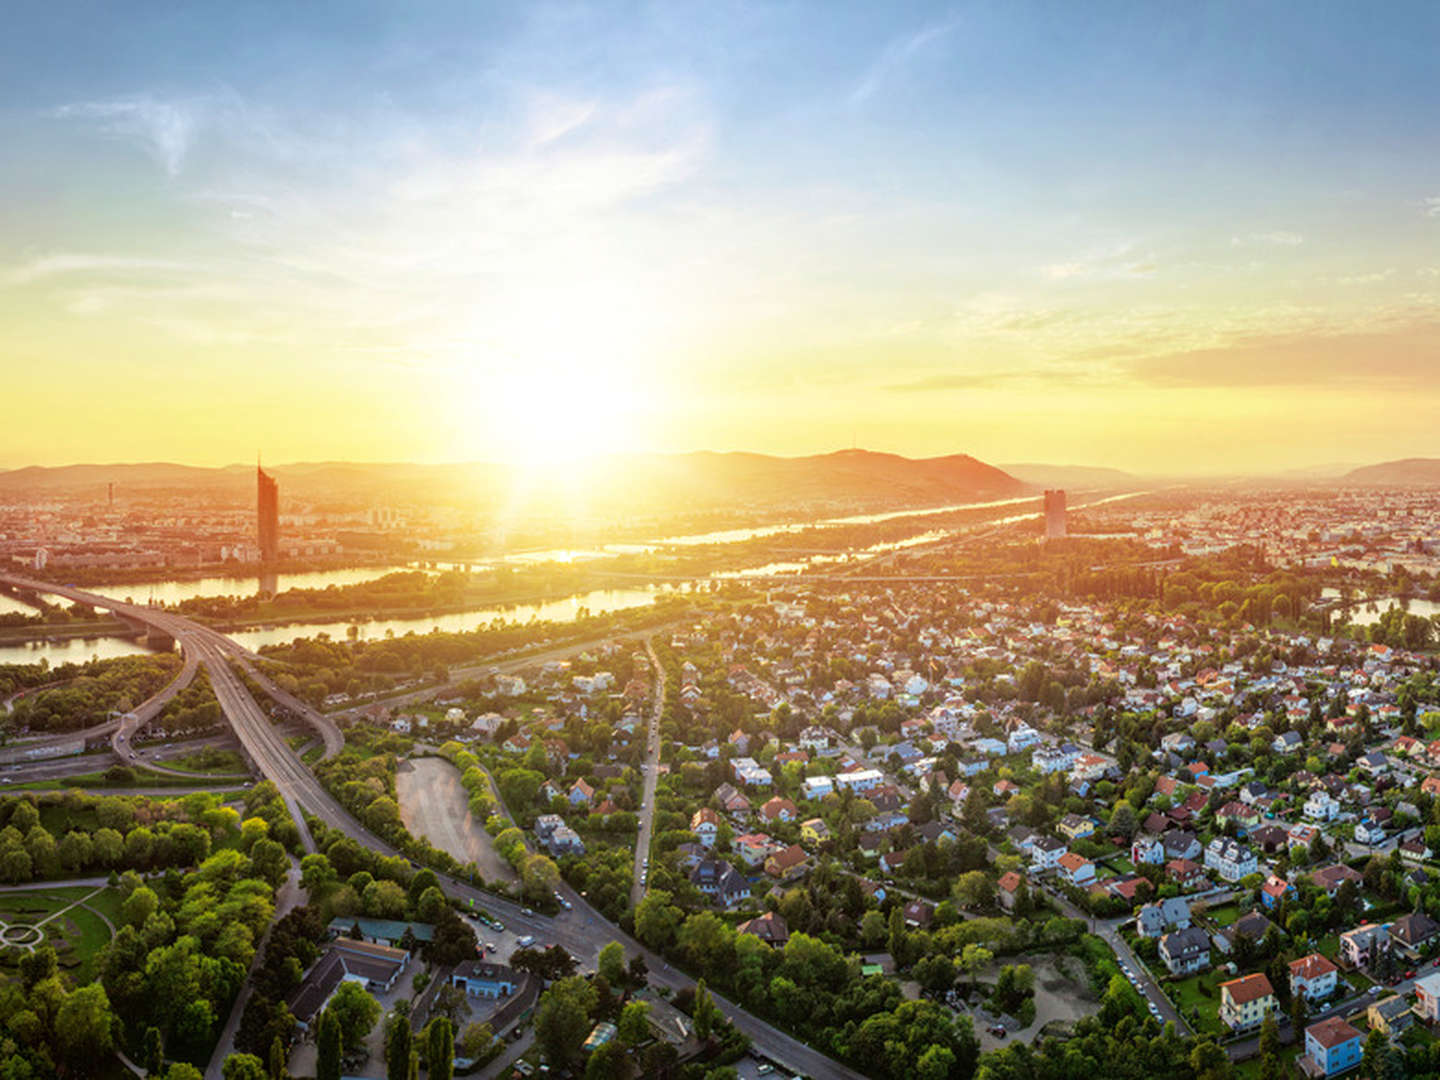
982	380
896	55
1372	278
1408	356
60	265
164	128
1115	263
1277	238
1432	206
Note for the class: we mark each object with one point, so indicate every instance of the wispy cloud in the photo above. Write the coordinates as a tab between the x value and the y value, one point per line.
1117	262
983	380
164	128
896	55
1275	238
65	264
1373	277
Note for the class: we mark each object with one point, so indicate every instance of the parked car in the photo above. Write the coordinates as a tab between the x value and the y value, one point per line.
998	1030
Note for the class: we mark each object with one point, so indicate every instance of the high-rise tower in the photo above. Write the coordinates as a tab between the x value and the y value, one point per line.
268	512
1054	514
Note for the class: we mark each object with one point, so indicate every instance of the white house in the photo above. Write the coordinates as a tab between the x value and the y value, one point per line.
1321	806
1045	853
1314	977
1230	859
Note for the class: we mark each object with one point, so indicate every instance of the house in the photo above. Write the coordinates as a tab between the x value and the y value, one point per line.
919	914
731	800
1186	874
1411	934
481	979
1230	859
778	809
1076	869
1148	850
1369	830
769	928
1181	844
1246	1001
1313	977
1251	925
1415	851
1185	951
1361	945
1391	1015
1270	838
1075	827
1329	879
817	787
753	848
1427	998
787	863
580	793
1007	889
1045	853
705	824
1321	806
814	831
860	780
721	882
1287	742
1152	920
378	965
1275	891
1331	1047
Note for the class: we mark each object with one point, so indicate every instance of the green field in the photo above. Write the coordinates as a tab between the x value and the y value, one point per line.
77	935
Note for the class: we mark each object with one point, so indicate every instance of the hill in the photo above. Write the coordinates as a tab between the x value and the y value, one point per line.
859	478
1071	476
1408	472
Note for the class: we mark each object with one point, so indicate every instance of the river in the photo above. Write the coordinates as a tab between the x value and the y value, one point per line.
560	610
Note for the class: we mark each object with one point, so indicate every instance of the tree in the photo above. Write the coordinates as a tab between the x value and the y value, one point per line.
356	1012
1374	1055
329	1049
704	1011
440	1049
475	1040
562	1018
612	963
152	1053
1270	1064
182	1071
139	906
398	1042
243	1067
85	1027
633	1027
277	1059
607	1063
656	919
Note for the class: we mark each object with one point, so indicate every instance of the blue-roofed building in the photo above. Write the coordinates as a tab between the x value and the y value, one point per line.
382	931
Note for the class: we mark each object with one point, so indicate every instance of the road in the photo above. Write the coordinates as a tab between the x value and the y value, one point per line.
518	663
581	930
287	898
650	778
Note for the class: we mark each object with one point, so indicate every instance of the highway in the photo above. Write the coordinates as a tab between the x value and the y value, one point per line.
581	930
649	779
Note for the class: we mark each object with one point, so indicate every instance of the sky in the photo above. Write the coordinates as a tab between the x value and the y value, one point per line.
1187	238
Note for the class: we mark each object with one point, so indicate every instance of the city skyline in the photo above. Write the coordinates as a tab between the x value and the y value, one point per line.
1198	241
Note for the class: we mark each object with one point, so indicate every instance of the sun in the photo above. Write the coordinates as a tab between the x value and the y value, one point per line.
551	414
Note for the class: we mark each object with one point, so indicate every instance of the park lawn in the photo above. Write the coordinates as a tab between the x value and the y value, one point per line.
87	934
1199	992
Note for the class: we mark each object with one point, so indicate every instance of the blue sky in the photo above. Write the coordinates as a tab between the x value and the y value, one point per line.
1117	233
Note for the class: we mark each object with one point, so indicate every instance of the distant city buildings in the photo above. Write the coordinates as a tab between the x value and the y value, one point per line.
268	513
1054	514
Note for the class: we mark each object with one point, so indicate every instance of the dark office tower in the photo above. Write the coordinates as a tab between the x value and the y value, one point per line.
1054	514
268	509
